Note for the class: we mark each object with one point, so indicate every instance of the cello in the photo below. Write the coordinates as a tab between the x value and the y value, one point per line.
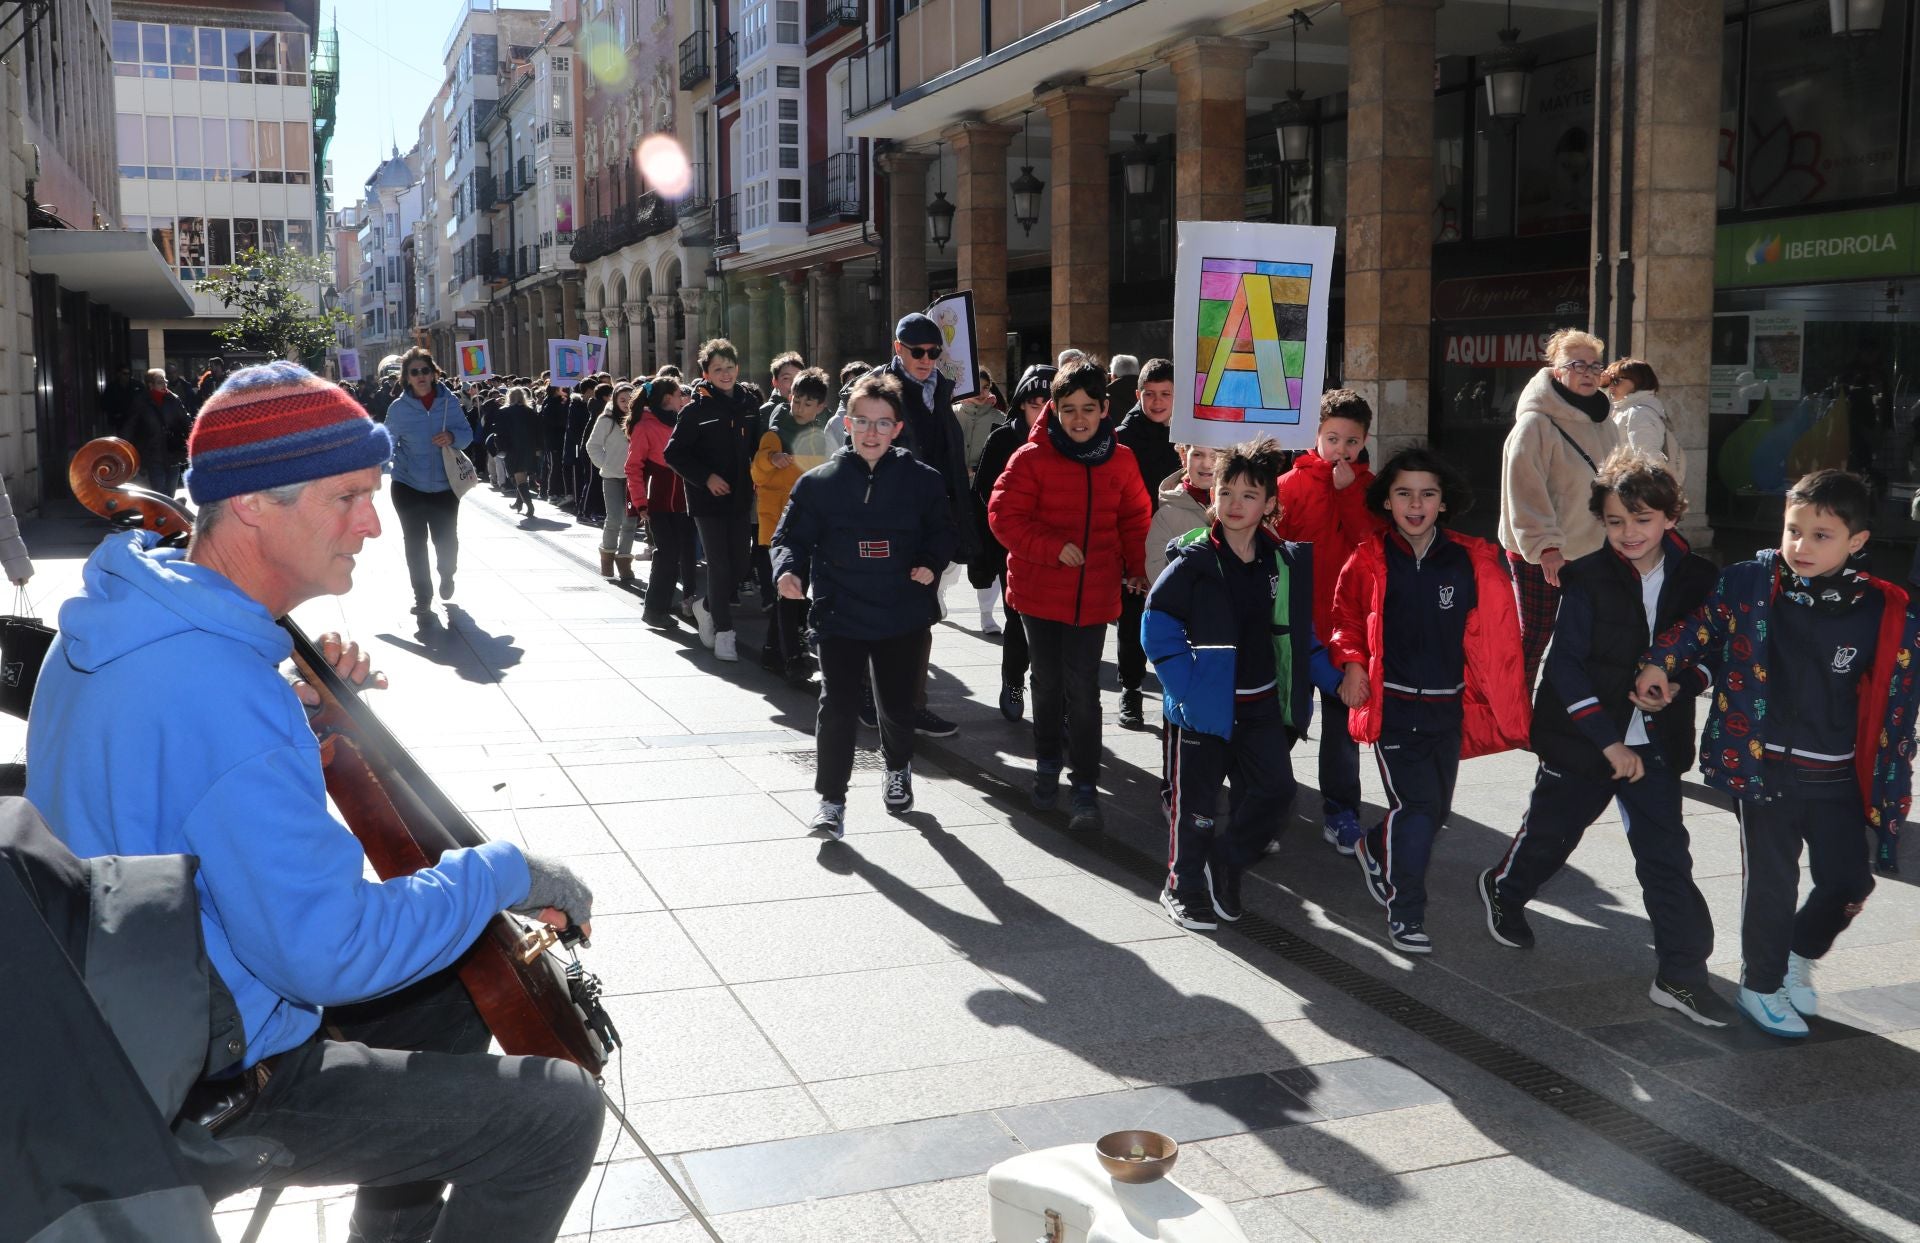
532	1002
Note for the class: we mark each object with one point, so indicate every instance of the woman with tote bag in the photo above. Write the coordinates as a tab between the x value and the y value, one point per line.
424	420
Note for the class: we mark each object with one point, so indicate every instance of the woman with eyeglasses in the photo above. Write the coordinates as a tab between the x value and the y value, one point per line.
425	417
1562	430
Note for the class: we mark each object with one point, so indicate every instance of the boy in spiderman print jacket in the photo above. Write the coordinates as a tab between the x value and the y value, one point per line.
1810	729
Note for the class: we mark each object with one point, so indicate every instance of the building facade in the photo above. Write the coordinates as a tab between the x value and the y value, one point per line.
215	138
383	296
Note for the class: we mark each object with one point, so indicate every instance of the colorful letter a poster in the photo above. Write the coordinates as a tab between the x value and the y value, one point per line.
1250	331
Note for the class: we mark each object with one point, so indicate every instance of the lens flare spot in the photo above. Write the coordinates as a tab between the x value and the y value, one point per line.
600	49
664	164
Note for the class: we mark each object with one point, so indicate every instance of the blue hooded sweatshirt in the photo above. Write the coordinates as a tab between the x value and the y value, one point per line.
162	725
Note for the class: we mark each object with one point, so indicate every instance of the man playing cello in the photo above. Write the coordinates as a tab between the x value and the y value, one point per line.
399	1095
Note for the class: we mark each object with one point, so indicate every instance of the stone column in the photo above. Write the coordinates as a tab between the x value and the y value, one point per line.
569	309
906	232
1080	117
826	317
636	338
1670	246
1210	125
1389	230
156	349
980	231
690	298
666	349
794	309
756	351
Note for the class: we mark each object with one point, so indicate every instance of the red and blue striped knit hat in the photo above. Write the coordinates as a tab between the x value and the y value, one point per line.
278	424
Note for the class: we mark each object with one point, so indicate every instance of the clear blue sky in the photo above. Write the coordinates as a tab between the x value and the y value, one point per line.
389	70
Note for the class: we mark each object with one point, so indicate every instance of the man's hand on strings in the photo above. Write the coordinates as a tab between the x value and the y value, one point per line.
353	665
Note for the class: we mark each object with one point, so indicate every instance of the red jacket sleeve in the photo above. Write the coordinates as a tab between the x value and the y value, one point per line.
637	465
1013	513
1348	642
1294	490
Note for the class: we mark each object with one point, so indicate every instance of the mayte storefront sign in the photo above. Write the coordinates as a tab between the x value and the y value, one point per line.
1842	246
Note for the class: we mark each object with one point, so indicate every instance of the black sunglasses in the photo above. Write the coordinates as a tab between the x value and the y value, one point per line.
923	351
414	371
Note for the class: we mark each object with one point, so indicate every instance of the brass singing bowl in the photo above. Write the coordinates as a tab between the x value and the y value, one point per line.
1157	1153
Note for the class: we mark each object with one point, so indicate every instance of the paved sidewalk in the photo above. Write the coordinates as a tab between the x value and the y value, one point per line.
834	1041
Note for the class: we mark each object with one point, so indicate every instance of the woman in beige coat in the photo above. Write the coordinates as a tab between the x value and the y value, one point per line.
1562	431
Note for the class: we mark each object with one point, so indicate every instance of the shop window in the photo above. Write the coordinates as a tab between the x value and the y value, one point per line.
1727	185
1822	114
1449	166
1913	122
131	131
192	240
269	154
1492	173
240	148
160	229
1553	151
219	242
1333	177
213	148
300	236
273	236
299	153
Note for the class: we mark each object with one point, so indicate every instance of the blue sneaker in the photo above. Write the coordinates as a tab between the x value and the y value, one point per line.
1773	1013
1341	830
1046	789
1083	808
1371	872
1410	938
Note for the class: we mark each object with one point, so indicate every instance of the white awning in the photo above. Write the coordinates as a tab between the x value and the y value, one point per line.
116	267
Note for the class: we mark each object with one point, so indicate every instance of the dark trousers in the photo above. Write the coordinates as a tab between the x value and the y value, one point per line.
1339	759
588	503
411	1101
423	515
894	665
1835	834
1254	766
1539	605
1133	658
1066	697
1559	814
1418	769
725	539
1013	650
673	560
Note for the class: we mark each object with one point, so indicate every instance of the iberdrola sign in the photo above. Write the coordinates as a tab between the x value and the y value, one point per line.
1842	246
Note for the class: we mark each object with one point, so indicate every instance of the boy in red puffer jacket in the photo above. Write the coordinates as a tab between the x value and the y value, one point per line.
1323	502
1073	515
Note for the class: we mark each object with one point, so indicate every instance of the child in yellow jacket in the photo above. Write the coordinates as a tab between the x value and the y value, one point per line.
795	444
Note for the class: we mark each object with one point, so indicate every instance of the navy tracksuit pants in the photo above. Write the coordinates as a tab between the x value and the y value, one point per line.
1418	768
1838	855
1339	759
1254	764
1559	814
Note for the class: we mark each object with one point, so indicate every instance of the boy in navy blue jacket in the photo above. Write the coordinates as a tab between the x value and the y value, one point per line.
1811	731
1229	628
871	532
1596	748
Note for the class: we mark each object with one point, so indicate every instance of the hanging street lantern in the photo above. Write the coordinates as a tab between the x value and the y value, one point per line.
1508	71
1026	187
1138	161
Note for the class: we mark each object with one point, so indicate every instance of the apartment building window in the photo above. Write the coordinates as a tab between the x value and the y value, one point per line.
786	21
787	77
753	29
209	54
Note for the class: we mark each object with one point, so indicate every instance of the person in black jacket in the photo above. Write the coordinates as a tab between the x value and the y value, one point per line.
1145	430
988	570
870	530
553	434
712	448
155	420
1596	747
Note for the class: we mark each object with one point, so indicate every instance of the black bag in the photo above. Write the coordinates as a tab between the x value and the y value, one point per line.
23	646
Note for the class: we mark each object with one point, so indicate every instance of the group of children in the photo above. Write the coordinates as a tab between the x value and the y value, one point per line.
1807	660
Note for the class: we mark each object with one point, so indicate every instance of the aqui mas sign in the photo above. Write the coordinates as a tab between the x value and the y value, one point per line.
1842	246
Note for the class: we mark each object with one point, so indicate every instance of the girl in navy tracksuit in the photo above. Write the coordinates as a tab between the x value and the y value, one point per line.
1229	628
1426	630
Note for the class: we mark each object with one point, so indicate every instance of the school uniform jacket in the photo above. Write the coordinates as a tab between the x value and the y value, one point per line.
1191	633
1494	707
1727	636
1582	706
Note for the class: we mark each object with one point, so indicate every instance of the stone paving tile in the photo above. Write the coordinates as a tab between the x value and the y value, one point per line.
727	1120
709	821
498	790
1345	1151
955	1211
871	1159
1237	1050
618	888
694	1042
622	1193
904	1018
966	1087
655	954
1190	1112
549	830
632	783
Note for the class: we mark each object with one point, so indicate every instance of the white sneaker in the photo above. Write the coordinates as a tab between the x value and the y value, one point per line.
704	620
724	647
829	824
1772	1013
987	596
1800	990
